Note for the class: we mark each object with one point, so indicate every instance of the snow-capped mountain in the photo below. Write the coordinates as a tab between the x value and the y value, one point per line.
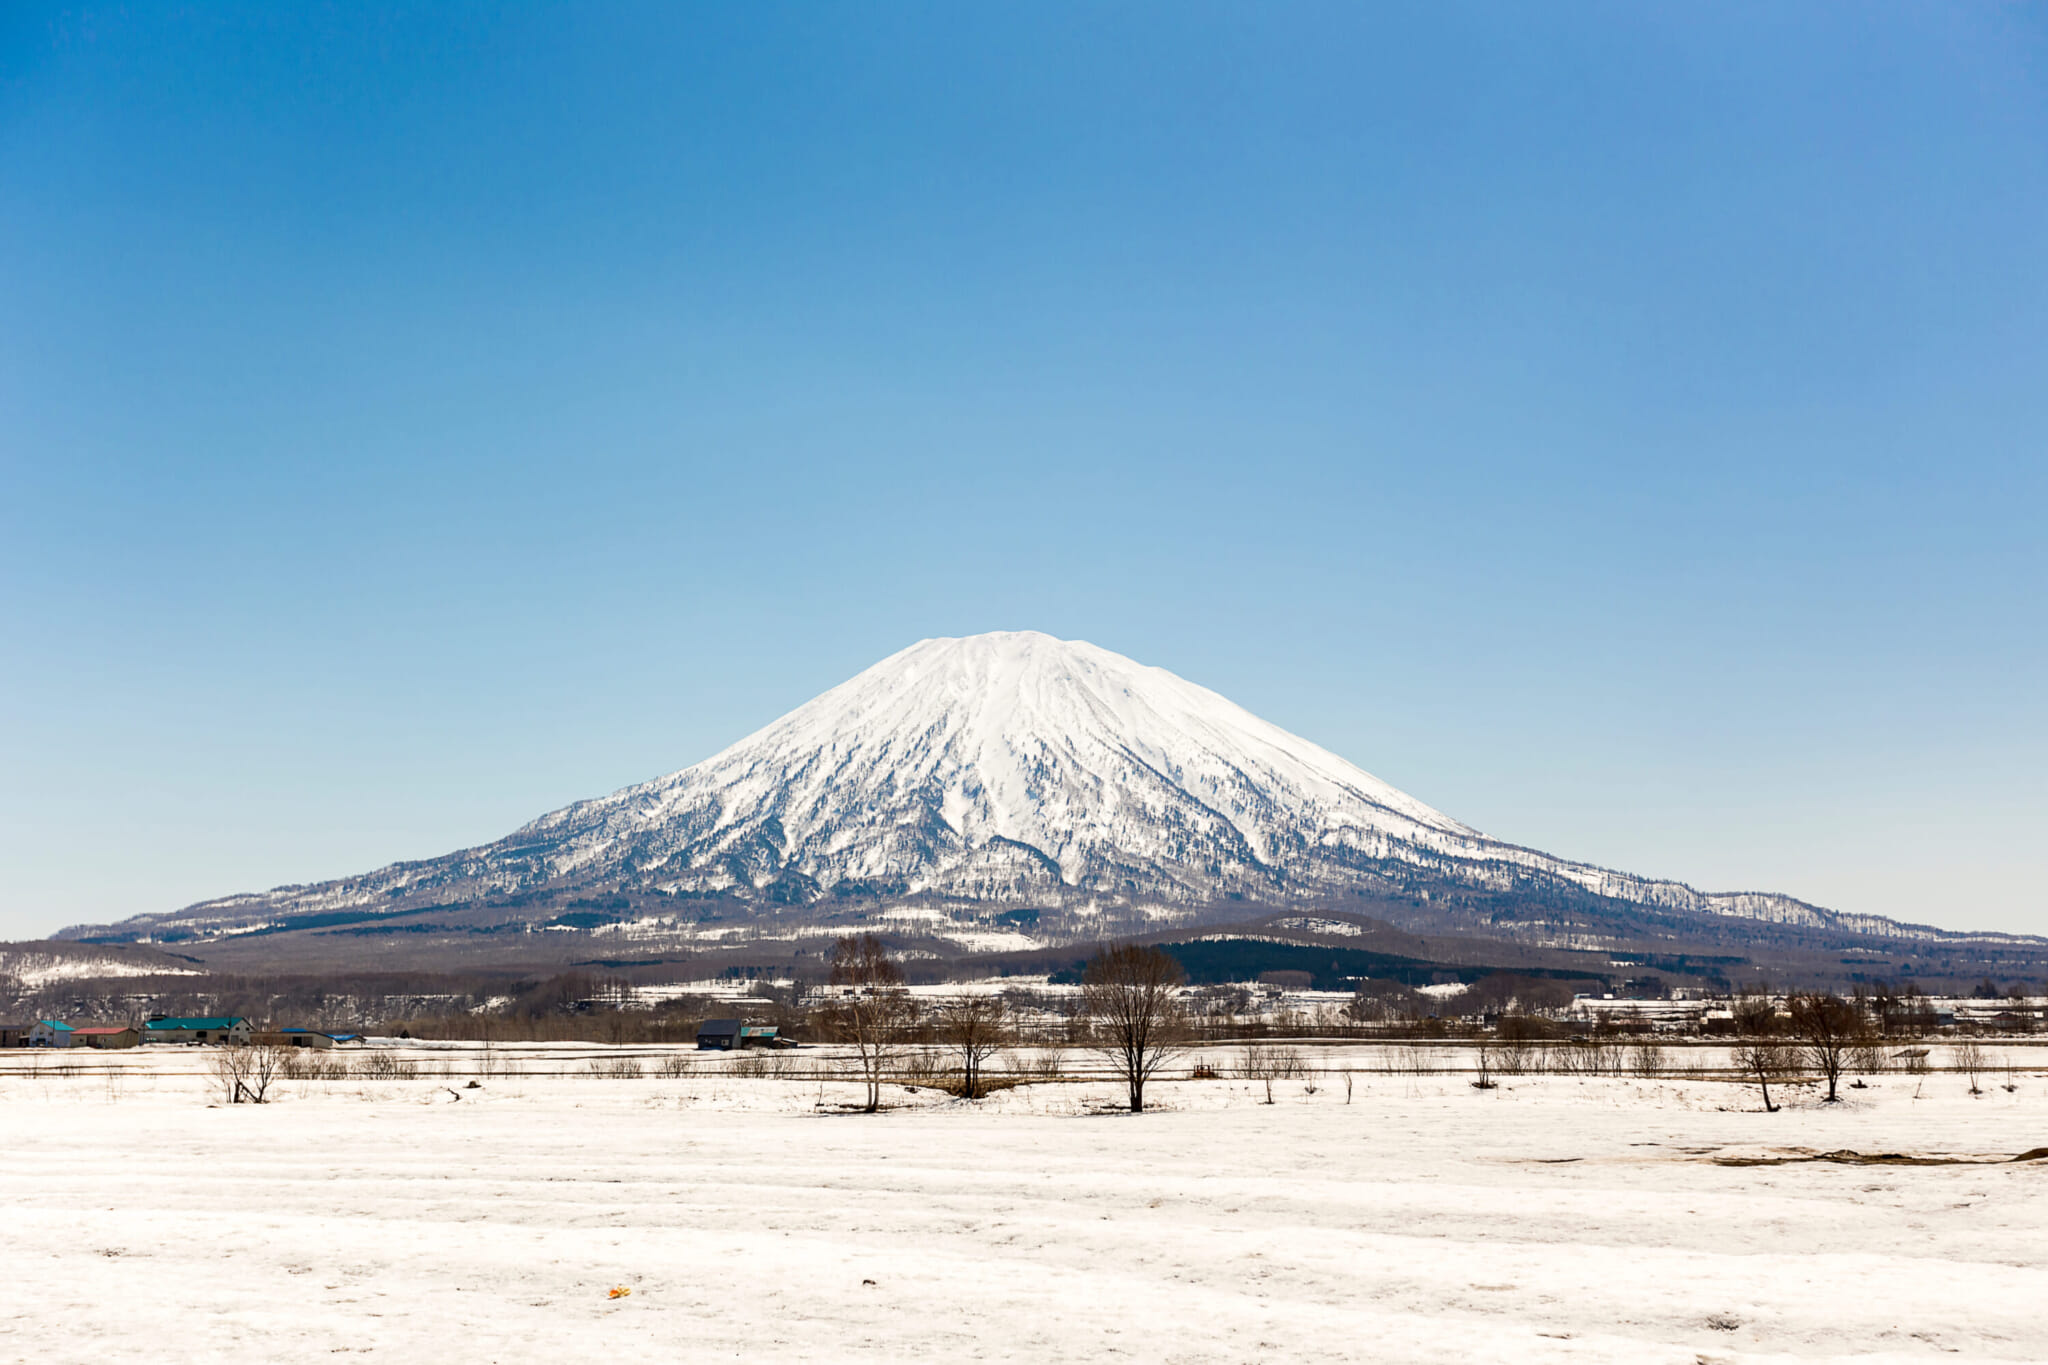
1009	770
1011	767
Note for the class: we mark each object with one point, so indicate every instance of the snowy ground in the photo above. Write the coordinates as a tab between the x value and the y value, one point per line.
1555	1218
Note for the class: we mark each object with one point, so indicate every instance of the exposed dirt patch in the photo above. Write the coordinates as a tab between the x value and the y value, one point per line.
1846	1157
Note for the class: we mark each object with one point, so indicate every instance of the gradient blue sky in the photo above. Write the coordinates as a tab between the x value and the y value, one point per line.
1620	426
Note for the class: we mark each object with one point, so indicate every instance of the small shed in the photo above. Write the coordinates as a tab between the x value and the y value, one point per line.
208	1029
50	1033
725	1035
120	1035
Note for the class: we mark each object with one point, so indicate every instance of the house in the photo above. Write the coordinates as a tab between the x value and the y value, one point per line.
209	1029
724	1035
123	1035
49	1033
13	1035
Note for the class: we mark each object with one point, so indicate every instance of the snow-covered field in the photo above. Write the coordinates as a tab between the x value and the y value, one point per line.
1555	1218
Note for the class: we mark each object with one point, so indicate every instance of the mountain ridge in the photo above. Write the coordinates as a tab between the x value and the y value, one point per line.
993	773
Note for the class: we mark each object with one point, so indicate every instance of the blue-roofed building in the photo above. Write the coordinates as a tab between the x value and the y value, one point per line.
50	1033
222	1028
728	1035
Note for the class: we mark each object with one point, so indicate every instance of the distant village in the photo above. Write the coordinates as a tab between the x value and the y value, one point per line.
713	1035
55	1033
768	1017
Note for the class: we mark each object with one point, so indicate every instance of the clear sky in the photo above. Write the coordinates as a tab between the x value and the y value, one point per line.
1623	427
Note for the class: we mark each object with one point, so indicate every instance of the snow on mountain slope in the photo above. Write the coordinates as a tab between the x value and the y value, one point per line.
1004	770
1010	758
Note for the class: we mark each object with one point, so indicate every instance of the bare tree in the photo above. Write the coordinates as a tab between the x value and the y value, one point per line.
1764	1062
245	1072
873	1007
1133	1001
1968	1057
1755	1016
1827	1027
227	1065
974	1027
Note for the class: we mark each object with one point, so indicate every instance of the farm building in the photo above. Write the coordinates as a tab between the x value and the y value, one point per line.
304	1037
725	1035
49	1033
13	1035
1659	1016
121	1035
209	1029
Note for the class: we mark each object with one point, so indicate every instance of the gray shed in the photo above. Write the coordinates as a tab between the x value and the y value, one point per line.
718	1035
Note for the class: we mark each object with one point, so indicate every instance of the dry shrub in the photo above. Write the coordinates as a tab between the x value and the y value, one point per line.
1040	1060
1272	1064
920	1066
385	1066
1516	1057
1401	1059
985	1085
1582	1058
305	1064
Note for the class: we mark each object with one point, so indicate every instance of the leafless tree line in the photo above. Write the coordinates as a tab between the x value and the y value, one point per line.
1825	1037
1131	1006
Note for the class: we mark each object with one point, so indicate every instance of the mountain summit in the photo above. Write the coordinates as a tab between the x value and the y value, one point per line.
1010	777
1009	767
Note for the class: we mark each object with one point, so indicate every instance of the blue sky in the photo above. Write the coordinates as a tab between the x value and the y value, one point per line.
1620	426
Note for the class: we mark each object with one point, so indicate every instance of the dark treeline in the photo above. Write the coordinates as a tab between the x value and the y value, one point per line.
644	1001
